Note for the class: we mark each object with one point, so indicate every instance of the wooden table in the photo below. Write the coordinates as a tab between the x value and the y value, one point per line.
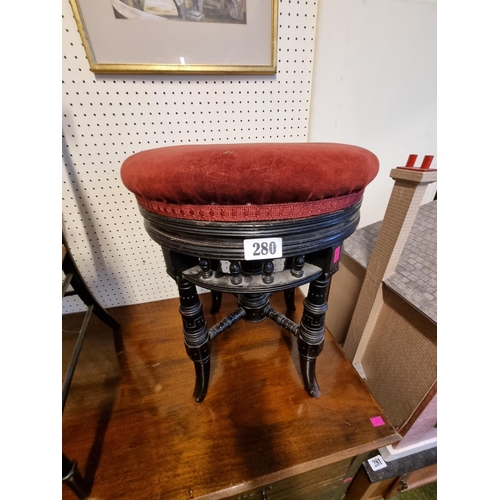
136	433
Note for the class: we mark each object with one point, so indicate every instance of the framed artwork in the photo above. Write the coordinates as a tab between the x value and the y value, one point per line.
178	36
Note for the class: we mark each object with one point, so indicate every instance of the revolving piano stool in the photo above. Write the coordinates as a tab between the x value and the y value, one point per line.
225	215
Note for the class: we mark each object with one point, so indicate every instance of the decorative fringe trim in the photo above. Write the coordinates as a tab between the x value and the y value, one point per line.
240	213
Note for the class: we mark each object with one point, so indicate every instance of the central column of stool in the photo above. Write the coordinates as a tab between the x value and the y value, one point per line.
249	205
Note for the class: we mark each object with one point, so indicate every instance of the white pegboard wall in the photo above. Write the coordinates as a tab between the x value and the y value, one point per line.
107	118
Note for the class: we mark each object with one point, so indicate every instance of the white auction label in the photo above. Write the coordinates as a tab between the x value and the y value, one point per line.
377	463
262	248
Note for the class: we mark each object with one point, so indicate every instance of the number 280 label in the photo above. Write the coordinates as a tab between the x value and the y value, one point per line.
262	248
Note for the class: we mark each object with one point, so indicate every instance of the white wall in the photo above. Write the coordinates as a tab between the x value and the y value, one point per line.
374	85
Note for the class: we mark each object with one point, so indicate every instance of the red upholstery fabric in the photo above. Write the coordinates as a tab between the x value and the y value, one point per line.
243	174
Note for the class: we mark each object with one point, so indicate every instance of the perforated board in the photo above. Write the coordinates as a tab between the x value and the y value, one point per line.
106	118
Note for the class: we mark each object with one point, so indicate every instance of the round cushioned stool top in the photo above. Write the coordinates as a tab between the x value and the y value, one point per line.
239	182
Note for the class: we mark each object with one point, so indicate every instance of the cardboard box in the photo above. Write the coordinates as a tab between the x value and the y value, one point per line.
383	308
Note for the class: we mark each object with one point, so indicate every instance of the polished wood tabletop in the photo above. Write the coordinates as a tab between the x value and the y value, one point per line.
132	425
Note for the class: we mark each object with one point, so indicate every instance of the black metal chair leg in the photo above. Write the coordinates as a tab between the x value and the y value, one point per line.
311	333
216	302
290	299
196	339
72	477
80	287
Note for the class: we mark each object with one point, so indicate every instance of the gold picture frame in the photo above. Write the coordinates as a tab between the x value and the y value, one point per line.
228	47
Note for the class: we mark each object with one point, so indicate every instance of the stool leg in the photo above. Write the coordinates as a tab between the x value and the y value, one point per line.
311	334
196	338
216	266
216	302
290	299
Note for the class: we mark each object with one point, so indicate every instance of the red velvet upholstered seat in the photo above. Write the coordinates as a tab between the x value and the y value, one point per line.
242	182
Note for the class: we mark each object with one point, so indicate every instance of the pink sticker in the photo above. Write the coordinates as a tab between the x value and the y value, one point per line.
336	255
377	421
347	479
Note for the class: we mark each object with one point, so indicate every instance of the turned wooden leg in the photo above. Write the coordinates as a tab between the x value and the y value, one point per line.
216	302
215	265
311	333
196	337
290	299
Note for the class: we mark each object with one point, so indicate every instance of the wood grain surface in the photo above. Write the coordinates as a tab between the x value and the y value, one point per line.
132	425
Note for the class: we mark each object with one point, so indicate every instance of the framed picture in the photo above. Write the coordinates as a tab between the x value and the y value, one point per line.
178	36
